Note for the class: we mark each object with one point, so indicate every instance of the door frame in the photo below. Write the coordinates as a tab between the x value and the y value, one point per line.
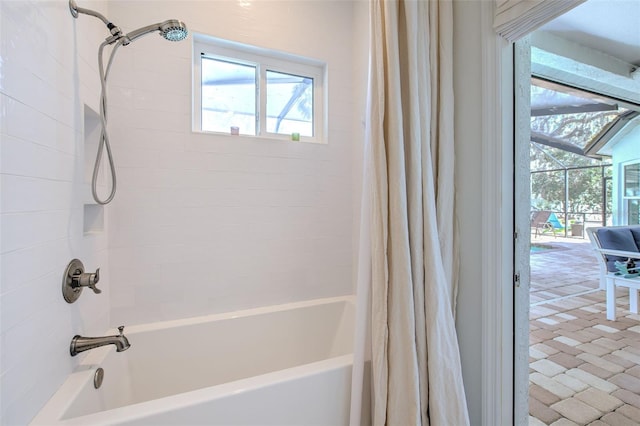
504	379
522	235
504	365
497	226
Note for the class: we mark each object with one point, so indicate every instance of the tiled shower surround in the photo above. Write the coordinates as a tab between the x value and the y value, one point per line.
206	223
49	72
200	223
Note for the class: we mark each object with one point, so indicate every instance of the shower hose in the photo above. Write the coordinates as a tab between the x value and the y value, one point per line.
103	143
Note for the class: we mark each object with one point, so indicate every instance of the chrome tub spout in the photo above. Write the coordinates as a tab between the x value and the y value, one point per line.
81	344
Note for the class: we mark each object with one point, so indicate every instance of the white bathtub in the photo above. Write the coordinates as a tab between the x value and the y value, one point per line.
280	365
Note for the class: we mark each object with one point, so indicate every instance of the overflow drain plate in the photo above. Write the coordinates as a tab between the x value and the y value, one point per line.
98	377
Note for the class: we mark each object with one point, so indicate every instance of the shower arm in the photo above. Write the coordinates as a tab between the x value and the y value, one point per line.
116	33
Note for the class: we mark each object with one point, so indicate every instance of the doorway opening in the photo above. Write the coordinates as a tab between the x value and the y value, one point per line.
583	146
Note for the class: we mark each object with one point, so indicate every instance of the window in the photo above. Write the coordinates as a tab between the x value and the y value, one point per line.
228	96
246	90
631	193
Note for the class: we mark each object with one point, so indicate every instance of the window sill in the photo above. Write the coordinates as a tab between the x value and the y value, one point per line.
274	138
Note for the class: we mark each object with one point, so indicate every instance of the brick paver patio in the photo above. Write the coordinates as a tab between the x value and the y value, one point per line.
584	369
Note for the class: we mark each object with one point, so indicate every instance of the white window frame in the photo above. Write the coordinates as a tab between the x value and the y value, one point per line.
264	60
624	198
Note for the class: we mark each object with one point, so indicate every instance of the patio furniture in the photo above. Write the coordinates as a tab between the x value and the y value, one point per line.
544	220
539	221
555	223
617	244
577	229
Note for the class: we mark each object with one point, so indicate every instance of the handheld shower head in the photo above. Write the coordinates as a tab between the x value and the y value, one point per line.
172	30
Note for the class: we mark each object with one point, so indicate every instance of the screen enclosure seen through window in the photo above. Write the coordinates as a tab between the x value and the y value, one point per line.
228	96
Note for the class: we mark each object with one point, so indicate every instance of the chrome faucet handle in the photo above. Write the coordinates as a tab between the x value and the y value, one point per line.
121	330
87	279
93	280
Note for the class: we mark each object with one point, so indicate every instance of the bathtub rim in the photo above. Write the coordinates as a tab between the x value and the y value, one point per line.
243	313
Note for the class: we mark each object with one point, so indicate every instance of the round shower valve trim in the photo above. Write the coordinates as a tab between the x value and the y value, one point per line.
75	279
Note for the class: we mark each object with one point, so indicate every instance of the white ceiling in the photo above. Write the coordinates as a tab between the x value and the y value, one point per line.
610	26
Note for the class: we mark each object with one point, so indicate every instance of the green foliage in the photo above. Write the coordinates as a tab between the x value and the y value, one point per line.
585	185
578	129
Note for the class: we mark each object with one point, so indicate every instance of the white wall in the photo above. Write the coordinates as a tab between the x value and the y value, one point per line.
48	72
468	128
200	223
208	223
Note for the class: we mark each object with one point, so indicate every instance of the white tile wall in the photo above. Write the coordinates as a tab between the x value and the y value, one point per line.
48	71
205	223
200	223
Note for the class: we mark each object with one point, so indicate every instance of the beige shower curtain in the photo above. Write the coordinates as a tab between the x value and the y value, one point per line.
408	258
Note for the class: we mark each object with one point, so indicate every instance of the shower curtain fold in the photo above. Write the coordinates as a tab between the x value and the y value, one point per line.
408	255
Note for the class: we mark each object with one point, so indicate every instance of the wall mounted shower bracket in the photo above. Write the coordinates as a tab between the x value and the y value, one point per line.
73	7
116	33
75	279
